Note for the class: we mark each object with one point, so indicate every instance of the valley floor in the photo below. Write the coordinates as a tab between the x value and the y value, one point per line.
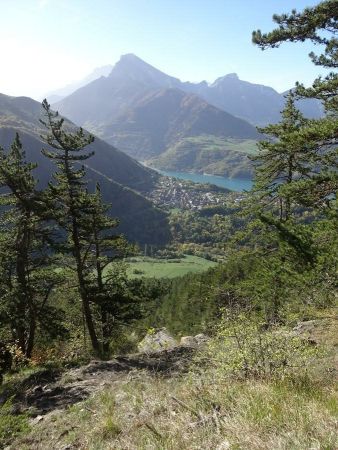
167	268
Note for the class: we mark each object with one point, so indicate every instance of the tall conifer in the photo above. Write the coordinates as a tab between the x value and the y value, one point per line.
25	253
70	200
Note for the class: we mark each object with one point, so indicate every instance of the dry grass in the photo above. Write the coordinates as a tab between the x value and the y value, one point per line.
205	409
195	413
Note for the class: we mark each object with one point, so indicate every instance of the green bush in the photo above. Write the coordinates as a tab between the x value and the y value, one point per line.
244	347
123	342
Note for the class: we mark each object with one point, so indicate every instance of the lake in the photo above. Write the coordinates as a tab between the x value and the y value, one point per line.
235	184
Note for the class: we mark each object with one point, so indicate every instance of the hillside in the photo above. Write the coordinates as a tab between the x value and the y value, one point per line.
122	179
147	400
209	154
163	118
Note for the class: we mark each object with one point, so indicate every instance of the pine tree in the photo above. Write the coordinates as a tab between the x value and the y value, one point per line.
104	247
318	24
282	160
25	253
306	25
70	201
91	237
297	166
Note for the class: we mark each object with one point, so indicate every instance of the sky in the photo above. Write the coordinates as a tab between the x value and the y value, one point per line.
46	44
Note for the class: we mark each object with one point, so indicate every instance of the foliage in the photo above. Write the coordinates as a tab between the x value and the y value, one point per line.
26	264
190	304
206	232
197	410
244	347
319	25
209	154
310	24
11	425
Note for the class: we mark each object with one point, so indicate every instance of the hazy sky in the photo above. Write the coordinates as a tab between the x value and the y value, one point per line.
45	44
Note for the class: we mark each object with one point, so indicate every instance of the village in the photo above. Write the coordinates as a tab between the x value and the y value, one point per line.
176	193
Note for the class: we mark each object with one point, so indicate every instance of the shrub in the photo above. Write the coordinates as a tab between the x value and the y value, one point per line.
123	342
244	347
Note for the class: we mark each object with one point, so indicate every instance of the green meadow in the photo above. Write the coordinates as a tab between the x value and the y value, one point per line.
165	268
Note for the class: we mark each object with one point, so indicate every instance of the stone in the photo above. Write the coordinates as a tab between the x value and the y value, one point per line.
157	341
36	420
225	445
305	327
201	338
188	341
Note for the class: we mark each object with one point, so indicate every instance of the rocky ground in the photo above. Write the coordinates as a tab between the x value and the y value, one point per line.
47	394
54	389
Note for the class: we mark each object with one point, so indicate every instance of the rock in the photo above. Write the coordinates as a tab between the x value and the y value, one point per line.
188	341
157	341
225	445
201	338
36	420
305	327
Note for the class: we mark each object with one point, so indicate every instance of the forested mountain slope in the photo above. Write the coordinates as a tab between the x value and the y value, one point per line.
165	117
122	179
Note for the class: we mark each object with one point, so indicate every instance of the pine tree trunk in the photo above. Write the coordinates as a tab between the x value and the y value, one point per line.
31	337
90	323
105	331
82	285
83	292
23	291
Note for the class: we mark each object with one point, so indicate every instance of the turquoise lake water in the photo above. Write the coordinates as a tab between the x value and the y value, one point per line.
235	184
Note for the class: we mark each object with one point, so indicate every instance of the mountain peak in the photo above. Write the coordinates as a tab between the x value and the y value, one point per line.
232	76
226	78
130	57
131	67
130	60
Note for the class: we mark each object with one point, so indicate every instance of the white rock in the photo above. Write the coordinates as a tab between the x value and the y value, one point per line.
201	338
225	445
188	341
157	341
36	420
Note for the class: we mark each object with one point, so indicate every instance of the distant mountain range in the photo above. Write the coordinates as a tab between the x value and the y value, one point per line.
255	103
123	180
59	94
152	116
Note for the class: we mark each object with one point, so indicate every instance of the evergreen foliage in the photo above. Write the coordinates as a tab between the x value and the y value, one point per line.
69	199
318	24
90	233
26	266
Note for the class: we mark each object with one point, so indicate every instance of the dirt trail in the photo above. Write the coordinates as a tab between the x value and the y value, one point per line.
50	391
